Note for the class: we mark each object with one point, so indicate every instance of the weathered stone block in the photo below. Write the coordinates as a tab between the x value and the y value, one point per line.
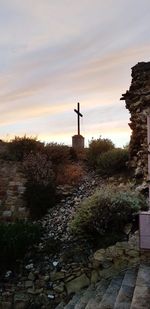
77	284
78	142
57	276
99	255
94	276
7	214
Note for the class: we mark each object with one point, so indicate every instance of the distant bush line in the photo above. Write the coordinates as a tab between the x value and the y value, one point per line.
47	166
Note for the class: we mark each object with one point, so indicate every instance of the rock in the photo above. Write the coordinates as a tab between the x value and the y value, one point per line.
132	253
28	284
5	305
107	263
6	214
57	276
142	188
55	263
94	276
122	245
31	276
138	172
77	284
59	288
20	300
111	252
31	291
96	264
51	296
20	296
46	278
8	274
29	266
127	228
20	305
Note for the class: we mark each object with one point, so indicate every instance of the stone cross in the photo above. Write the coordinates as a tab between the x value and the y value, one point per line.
79	115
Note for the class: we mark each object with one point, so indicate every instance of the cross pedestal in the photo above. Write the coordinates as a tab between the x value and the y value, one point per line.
78	139
78	142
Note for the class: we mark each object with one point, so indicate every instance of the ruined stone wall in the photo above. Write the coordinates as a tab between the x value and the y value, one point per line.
137	100
12	187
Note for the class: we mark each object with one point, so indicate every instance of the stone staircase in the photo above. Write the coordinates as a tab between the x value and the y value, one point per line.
130	289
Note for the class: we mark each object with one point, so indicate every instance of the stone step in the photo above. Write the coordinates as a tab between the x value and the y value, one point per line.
141	296
124	298
111	293
60	306
129	290
75	299
100	290
88	294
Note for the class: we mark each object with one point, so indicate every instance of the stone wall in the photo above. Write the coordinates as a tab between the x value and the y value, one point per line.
61	281
12	186
137	100
104	263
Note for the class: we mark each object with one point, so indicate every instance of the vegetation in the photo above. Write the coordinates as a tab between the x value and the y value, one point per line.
57	153
69	174
40	186
65	163
106	213
20	147
16	239
112	162
96	148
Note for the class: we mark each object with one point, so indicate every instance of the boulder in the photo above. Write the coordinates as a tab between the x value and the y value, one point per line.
77	284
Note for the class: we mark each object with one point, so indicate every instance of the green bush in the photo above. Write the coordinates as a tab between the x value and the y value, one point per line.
106	212
96	148
40	187
16	239
20	147
113	161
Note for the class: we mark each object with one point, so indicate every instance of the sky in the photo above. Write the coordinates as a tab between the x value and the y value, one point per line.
55	53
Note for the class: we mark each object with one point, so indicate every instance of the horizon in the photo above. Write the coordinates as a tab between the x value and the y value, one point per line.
55	54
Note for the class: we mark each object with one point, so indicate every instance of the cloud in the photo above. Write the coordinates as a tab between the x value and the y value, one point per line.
55	53
91	75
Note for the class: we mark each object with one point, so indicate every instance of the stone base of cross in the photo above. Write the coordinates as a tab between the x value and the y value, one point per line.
78	142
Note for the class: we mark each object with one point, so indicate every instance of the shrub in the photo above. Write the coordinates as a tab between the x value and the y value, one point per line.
106	212
57	153
96	148
3	150
16	239
20	147
112	161
78	155
40	186
69	174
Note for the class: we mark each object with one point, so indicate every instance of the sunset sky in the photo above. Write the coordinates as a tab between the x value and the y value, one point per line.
55	53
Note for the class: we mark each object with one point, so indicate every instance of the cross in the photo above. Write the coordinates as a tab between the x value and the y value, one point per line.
79	115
